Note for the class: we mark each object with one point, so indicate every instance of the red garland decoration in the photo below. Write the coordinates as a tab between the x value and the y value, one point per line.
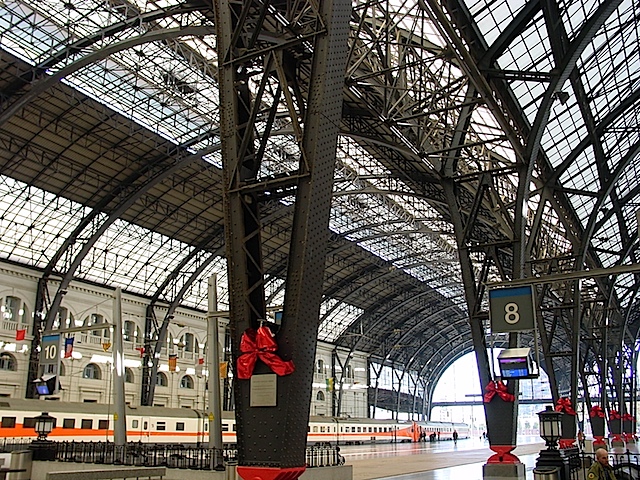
596	411
498	388
260	344
628	418
564	405
614	415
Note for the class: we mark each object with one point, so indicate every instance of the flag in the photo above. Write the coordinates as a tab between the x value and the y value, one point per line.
106	346
20	334
173	362
198	368
224	369
68	347
201	361
330	384
142	350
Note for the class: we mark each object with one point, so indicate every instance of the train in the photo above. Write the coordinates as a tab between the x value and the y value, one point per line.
94	422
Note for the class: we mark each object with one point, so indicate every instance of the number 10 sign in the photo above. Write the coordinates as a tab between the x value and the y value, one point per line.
511	309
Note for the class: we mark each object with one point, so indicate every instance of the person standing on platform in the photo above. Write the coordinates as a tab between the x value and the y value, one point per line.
455	437
601	470
581	439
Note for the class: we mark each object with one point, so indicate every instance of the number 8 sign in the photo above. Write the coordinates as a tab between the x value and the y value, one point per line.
511	309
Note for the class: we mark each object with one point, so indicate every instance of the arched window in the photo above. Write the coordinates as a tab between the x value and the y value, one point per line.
92	371
63	370
186	382
320	396
97	319
161	380
14	310
349	372
128	375
64	319
320	366
187	341
129	333
8	362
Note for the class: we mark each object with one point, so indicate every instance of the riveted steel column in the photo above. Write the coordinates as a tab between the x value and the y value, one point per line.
272	439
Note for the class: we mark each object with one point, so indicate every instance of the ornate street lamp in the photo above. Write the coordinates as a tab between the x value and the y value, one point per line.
550	426
43	426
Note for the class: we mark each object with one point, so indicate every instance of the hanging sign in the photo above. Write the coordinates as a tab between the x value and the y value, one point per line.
511	309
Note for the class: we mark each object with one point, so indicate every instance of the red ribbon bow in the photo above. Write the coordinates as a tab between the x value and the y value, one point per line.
500	389
628	417
260	344
614	415
596	411
564	405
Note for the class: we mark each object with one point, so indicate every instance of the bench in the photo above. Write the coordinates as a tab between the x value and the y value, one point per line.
151	472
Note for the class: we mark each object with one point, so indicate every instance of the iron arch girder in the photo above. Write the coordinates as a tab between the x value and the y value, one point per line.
561	74
391	273
448	342
113	216
421	323
162	333
45	83
78	46
383	316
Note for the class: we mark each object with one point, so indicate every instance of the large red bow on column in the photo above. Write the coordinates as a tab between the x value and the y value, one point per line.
500	389
564	405
614	415
260	344
596	411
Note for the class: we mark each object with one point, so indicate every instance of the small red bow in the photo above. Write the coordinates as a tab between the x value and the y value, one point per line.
500	389
564	405
628	418
260	344
596	411
614	415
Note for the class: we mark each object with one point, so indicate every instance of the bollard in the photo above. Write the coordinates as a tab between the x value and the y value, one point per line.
20	460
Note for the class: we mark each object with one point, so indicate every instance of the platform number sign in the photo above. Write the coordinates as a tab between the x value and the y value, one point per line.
511	309
50	352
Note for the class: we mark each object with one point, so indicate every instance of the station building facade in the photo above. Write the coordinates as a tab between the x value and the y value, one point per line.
86	376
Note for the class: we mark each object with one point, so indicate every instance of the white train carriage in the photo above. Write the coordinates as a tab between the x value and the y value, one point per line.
94	422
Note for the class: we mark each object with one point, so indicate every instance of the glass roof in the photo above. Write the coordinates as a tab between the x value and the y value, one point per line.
169	87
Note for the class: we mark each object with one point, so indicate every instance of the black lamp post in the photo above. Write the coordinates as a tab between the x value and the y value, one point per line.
42	448
551	460
550	426
44	424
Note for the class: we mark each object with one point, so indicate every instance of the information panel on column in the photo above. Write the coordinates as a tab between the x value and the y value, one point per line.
511	309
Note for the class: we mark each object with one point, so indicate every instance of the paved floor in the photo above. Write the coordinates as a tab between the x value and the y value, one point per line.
429	462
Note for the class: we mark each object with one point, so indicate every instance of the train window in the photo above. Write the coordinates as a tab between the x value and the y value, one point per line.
8	422
234	427
145	426
308	428
134	423
161	426
225	427
353	429
315	429
375	429
180	427
359	429
385	429
29	422
370	429
87	424
206	427
69	423
323	429
103	424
